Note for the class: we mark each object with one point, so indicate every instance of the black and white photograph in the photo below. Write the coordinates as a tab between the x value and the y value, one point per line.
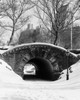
39	49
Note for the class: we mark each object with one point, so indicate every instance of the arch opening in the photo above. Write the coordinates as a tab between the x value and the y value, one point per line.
41	69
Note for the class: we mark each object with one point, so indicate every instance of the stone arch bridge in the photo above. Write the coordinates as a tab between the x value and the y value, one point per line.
49	59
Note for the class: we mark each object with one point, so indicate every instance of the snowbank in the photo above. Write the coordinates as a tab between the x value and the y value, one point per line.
7	74
14	88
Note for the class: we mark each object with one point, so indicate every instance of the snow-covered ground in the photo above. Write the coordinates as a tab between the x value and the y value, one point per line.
12	87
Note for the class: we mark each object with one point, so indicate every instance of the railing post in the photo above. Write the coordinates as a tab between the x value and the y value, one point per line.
67	74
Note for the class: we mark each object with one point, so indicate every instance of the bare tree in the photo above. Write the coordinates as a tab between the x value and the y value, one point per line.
16	12
56	15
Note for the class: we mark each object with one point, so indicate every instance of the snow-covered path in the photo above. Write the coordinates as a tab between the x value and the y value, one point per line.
12	87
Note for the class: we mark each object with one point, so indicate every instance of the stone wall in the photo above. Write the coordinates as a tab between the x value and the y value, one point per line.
19	56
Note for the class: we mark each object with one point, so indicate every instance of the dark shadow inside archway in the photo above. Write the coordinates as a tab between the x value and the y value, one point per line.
43	69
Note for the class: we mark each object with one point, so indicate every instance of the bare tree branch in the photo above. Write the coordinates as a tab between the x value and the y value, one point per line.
16	12
58	13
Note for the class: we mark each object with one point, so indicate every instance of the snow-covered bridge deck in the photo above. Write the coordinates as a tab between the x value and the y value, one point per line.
47	57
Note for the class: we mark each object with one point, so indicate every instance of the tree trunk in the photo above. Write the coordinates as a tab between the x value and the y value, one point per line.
56	38
11	37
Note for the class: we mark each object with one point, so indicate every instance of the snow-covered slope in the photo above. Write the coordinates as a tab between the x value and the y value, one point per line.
12	87
7	74
74	78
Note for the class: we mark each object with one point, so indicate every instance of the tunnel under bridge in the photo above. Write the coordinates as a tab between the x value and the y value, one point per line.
49	60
